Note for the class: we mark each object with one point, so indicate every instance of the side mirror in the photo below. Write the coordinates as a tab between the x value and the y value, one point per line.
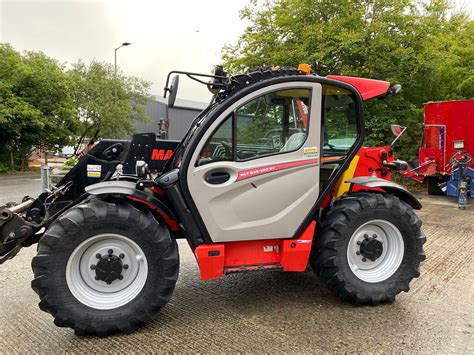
173	91
397	131
395	89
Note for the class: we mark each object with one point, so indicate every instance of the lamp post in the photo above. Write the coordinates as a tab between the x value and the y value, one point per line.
124	44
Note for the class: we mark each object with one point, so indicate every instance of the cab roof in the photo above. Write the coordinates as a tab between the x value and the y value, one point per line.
368	88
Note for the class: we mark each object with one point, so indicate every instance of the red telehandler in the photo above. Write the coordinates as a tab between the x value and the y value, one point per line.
271	176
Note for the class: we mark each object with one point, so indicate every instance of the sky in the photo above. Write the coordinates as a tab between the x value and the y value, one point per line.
165	35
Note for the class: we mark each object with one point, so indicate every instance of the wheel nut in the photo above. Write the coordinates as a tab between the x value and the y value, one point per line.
374	236
120	277
364	259
359	242
357	252
110	252
366	236
121	256
125	266
93	267
98	256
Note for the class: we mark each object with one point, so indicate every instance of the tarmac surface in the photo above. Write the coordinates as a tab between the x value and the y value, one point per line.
271	312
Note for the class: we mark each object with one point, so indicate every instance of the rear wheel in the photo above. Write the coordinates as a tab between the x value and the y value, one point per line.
105	266
368	248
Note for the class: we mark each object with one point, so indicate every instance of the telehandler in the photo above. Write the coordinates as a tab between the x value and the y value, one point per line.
271	176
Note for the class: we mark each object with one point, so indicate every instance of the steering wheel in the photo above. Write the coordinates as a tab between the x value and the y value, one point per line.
228	149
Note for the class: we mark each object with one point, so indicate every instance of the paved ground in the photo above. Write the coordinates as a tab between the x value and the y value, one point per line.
15	187
276	312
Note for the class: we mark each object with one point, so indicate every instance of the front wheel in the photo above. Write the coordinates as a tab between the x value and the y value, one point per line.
104	267
368	248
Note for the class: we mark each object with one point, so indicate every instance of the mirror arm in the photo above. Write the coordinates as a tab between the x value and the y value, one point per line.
191	76
396	138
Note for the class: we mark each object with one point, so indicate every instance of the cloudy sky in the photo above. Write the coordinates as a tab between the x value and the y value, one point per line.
165	35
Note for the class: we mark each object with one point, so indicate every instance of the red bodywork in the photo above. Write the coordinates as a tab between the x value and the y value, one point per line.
280	254
444	124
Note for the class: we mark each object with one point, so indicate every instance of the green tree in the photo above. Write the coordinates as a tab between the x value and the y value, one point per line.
423	45
36	105
103	114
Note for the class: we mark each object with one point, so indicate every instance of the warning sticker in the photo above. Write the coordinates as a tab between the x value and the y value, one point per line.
311	151
94	170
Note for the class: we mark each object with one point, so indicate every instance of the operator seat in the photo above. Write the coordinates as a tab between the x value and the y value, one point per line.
295	141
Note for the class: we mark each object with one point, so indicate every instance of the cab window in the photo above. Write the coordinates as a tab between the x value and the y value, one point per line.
219	146
339	123
274	123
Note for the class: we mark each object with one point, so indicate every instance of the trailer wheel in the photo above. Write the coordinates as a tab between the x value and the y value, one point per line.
368	248
105	267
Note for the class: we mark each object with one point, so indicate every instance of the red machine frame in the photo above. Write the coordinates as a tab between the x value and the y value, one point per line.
445	123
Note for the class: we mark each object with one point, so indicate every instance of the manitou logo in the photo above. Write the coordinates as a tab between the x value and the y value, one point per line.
161	154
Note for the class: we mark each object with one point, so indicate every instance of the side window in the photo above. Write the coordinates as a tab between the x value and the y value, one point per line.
219	146
274	123
339	126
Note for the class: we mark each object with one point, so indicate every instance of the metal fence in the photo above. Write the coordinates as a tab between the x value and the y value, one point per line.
51	174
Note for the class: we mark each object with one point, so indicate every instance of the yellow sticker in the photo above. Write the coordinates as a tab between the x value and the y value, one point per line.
94	170
311	151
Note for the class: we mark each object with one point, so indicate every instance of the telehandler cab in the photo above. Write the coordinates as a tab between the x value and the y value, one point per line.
271	176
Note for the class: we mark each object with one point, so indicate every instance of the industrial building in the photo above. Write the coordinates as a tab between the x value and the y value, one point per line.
180	116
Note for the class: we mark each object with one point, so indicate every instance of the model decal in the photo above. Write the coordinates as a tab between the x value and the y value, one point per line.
245	174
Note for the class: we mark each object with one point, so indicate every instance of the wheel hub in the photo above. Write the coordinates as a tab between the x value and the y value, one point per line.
108	269
371	248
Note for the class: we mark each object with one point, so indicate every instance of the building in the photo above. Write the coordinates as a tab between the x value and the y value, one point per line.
180	116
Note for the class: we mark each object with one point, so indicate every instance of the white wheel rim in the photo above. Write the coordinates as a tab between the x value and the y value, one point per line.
81	278
390	259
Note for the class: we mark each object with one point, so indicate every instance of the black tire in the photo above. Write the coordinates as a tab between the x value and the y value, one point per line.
77	225
329	257
433	186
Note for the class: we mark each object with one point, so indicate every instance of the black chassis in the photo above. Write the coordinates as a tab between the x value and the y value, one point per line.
24	224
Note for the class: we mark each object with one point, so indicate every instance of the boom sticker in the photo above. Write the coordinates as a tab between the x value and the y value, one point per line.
94	170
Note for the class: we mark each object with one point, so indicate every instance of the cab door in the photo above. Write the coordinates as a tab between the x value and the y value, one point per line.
255	172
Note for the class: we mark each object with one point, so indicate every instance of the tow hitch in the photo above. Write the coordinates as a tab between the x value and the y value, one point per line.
14	230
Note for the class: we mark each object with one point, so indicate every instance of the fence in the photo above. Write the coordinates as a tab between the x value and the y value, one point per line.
51	174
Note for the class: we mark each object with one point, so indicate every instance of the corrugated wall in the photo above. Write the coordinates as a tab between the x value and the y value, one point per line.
180	118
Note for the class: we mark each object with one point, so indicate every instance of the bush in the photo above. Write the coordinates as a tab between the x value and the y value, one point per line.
72	161
4	168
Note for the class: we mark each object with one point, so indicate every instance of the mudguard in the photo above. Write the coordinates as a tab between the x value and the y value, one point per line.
389	187
128	190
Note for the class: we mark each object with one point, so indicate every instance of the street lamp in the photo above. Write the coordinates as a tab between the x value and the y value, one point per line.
124	44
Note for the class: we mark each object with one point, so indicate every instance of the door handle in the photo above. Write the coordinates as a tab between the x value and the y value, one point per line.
217	177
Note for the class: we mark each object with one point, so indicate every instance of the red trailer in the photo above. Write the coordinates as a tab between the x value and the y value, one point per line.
448	129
